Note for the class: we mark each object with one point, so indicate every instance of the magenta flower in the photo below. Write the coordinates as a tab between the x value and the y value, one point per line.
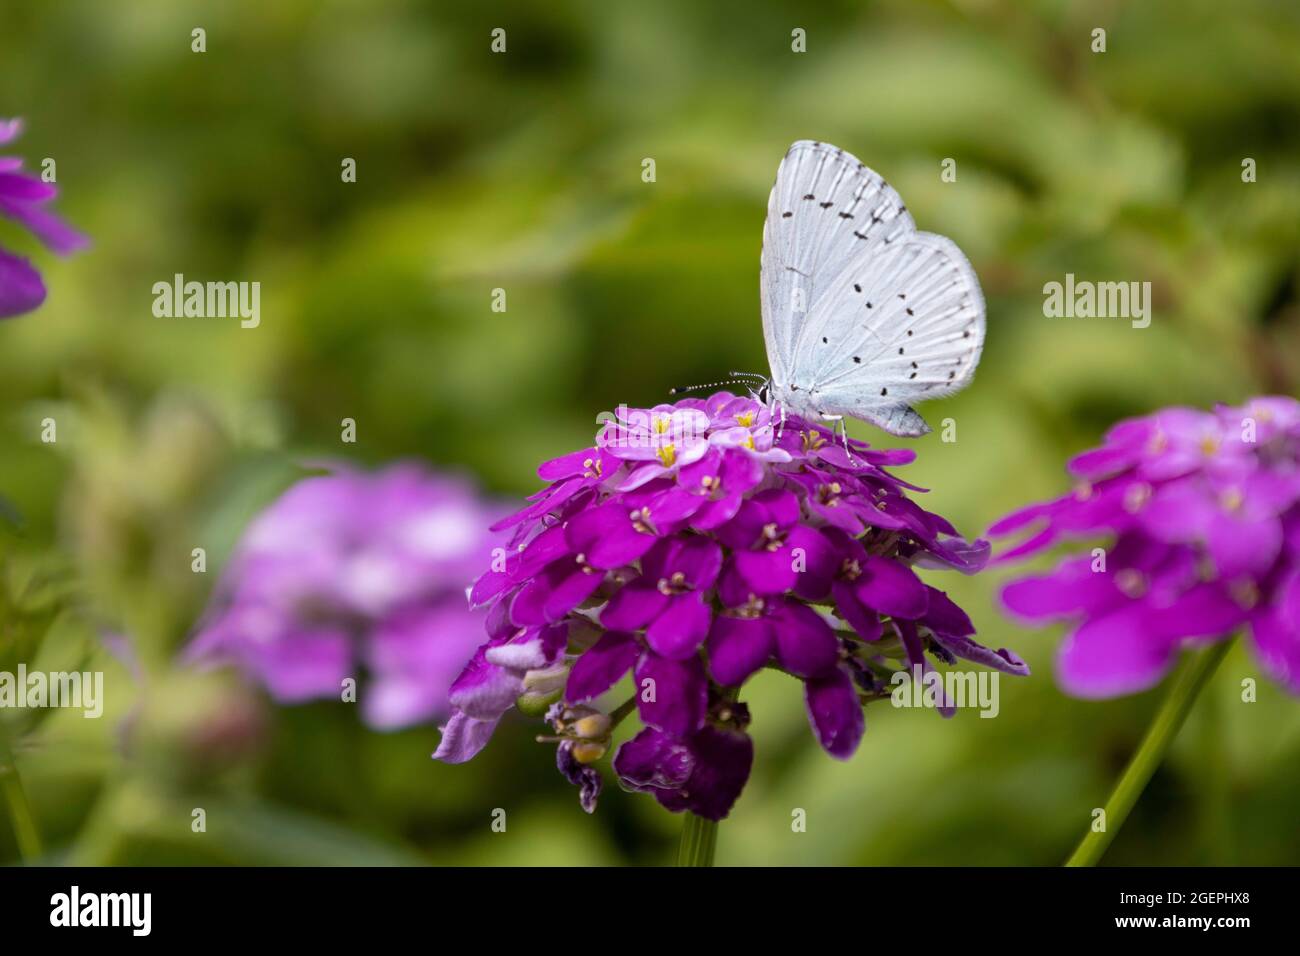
356	573
692	546
1200	513
22	199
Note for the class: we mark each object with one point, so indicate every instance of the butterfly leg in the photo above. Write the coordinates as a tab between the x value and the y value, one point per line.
842	426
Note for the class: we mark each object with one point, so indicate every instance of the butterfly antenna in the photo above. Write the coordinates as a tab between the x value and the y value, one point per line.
731	377
678	390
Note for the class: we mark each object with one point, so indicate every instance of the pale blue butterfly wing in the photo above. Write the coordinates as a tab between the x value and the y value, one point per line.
862	314
826	210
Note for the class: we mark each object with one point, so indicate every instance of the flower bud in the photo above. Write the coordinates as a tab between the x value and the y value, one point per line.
588	751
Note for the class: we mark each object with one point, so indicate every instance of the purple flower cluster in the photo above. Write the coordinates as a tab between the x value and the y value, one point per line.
1203	515
22	199
693	545
356	572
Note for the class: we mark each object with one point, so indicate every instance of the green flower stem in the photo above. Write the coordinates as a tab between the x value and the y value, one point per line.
699	840
20	811
617	715
1164	728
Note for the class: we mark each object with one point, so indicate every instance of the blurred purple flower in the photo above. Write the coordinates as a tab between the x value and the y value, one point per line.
22	199
1202	511
695	544
356	572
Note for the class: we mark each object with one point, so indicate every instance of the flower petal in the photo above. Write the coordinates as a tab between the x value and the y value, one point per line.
738	647
654	760
943	616
21	288
1071	588
805	643
815	560
671	695
834	712
601	666
606	537
463	737
681	627
634	606
1113	655
892	588
1205	610
1001	659
484	690
767	572
723	759
1276	633
864	620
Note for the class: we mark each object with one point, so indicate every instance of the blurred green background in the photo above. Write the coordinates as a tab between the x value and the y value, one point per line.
522	171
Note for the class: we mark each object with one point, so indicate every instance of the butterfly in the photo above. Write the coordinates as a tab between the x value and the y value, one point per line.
862	314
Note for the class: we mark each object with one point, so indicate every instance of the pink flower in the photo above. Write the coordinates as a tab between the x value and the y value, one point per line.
692	547
23	198
351	574
1201	512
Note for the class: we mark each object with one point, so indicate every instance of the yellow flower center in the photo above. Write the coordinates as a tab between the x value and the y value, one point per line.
667	455
746	418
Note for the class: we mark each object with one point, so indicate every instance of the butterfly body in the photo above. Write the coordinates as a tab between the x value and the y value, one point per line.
862	314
